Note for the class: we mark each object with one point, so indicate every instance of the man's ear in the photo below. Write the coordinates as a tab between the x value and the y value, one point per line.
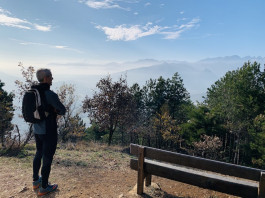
45	79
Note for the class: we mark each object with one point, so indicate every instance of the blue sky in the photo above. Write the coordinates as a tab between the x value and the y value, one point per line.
90	33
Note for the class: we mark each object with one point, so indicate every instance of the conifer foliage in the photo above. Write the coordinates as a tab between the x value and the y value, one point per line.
238	98
6	113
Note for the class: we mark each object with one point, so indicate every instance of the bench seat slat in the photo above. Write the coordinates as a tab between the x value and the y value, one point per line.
201	179
199	163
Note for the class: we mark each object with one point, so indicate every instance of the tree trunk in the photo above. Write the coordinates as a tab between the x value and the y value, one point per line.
137	138
225	142
122	137
28	136
235	150
230	147
19	136
149	140
156	141
110	136
172	144
238	149
2	140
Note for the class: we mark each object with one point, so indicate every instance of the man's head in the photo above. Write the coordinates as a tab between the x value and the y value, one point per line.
44	76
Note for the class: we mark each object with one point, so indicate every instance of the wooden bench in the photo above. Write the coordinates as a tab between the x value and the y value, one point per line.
219	176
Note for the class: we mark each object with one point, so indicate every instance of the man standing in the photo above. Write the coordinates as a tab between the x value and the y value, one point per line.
46	133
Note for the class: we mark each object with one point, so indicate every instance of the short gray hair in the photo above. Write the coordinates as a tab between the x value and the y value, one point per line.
42	73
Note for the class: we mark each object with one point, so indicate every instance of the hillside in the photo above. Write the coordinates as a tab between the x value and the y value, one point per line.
89	171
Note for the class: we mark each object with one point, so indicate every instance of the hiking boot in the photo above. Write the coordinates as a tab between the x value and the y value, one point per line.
37	184
50	188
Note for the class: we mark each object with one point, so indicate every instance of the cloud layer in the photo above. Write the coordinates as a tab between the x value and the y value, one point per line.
60	47
134	32
83	68
6	19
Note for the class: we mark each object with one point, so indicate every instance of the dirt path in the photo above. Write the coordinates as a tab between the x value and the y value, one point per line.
108	178
87	182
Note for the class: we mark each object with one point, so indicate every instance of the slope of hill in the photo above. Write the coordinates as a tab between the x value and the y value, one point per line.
89	170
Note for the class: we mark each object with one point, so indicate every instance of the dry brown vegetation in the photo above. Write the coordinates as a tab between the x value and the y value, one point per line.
88	170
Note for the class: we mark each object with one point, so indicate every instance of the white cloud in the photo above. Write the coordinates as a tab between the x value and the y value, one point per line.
4	11
59	47
13	22
173	35
136	13
182	19
6	19
134	32
102	4
147	4
191	24
28	43
122	32
43	28
62	47
180	29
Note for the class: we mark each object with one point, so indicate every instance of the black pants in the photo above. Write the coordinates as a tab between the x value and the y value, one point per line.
46	146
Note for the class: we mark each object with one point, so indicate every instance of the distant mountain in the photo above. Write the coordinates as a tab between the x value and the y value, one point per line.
234	58
221	65
195	80
197	76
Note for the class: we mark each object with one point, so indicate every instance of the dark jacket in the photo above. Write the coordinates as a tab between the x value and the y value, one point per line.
53	106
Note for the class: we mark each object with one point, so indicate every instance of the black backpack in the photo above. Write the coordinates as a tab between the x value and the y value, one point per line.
33	106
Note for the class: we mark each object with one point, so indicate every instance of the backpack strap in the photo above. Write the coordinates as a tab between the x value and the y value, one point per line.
37	95
39	103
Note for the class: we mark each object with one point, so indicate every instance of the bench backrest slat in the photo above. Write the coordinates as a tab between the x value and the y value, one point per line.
199	163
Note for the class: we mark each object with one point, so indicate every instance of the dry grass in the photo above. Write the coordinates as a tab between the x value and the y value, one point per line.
88	170
91	155
83	154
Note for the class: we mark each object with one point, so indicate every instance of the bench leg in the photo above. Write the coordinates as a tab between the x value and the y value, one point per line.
262	185
148	180
140	179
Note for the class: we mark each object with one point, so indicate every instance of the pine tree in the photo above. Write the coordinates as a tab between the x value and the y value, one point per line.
6	112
